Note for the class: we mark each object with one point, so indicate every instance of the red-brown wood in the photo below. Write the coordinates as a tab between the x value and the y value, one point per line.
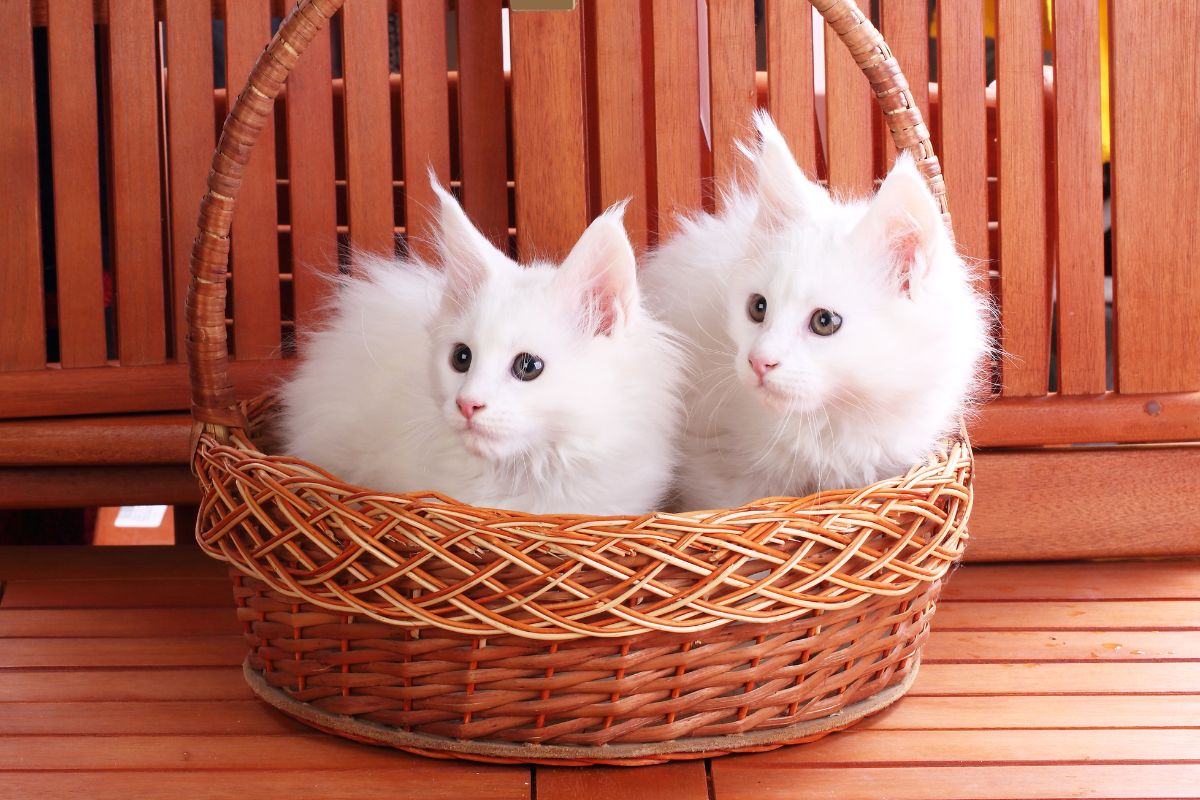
76	151
256	303
89	487
850	111
1024	271
679	781
1084	419
22	332
311	185
790	78
368	126
1156	195
905	26
135	188
190	139
1082	680
621	97
426	114
731	76
549	155
482	132
135	439
678	140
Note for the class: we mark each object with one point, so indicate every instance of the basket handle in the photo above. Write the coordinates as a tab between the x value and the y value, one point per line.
214	403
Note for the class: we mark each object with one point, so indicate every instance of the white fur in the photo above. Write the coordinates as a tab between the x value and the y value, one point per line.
374	398
838	411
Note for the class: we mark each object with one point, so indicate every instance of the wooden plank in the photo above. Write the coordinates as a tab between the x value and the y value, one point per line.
1083	646
1038	711
1117	678
549	157
1047	616
678	781
1119	580
85	487
75	142
790	78
171	718
905	26
740	779
426	129
677	135
22	324
850	114
621	97
1155	198
368	133
142	439
124	685
136	208
731	61
1079	212
433	780
482	132
1082	419
153	651
312	196
1024	274
962	115
63	623
133	564
118	593
255	246
190	139
1058	504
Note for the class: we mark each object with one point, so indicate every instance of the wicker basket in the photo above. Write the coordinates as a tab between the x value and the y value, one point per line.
454	631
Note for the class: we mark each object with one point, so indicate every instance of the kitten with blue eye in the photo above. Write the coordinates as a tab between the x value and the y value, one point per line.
535	388
835	342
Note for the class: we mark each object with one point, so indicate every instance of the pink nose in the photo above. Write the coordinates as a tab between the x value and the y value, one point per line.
762	366
468	407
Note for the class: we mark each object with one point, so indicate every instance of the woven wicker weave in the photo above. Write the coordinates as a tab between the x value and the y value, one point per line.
445	629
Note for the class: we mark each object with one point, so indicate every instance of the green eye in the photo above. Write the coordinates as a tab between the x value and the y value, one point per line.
756	308
824	322
460	358
527	366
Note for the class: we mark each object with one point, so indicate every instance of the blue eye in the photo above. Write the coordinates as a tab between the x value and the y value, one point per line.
526	367
460	358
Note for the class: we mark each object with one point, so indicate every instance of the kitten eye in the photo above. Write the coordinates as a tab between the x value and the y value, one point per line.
527	366
824	322
756	309
460	358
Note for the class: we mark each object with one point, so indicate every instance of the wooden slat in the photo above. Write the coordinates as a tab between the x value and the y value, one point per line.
124	686
1177	579
311	184
1024	273
119	593
851	119
142	439
61	623
740	780
1133	678
255	257
1038	711
731	77
962	115
678	781
22	332
905	26
85	487
482	132
1079	212
107	563
790	78
205	718
1081	646
190	139
368	132
1156	195
426	111
136	207
621	96
152	651
1086	504
1088	419
1045	616
75	141
678	137
548	123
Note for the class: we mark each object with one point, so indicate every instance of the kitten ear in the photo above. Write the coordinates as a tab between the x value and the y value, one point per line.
905	220
465	253
785	195
601	273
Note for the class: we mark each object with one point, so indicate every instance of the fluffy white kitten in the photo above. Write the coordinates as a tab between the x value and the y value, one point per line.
835	342
532	388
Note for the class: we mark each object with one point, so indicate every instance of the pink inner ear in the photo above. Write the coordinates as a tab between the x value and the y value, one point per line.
603	310
908	256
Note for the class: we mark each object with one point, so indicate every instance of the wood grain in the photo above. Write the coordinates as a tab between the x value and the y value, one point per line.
106	563
169	718
851	115
905	26
1081	646
152	592
731	64
1110	615
1176	579
134	685
1049	678
1037	711
790	90
83	487
677	135
1085	419
141	439
678	781
66	623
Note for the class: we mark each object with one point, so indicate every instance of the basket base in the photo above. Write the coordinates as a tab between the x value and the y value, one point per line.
626	755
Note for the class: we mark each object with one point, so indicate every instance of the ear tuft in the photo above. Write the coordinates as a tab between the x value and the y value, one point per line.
600	274
465	253
785	195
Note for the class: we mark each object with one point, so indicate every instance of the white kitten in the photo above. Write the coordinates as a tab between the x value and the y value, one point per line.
836	342
534	388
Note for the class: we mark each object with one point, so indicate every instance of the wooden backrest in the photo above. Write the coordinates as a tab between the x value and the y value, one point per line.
619	98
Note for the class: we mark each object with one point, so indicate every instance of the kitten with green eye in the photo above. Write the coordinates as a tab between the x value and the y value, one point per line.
835	342
538	388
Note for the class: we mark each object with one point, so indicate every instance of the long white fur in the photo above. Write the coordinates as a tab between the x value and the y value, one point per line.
838	411
374	397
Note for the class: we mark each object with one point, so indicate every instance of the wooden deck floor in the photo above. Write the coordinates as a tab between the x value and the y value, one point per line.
119	678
